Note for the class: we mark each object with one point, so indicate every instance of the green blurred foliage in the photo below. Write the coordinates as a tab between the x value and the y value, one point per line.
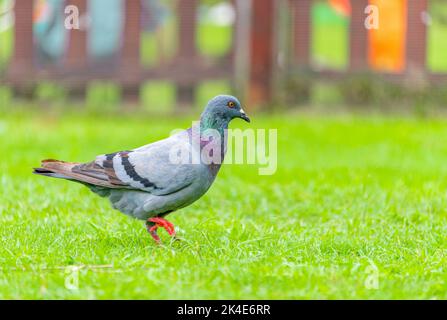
330	37
158	96
437	36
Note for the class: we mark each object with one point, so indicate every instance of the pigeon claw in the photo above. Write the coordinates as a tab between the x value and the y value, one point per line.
156	222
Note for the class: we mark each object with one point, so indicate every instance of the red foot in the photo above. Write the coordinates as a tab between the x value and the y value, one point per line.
154	223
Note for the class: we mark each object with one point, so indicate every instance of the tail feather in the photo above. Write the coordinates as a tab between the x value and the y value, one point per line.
73	171
48	173
56	172
55	169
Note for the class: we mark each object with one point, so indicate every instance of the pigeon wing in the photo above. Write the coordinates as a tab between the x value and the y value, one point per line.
150	168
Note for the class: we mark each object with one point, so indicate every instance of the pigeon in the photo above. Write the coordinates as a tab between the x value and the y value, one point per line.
149	182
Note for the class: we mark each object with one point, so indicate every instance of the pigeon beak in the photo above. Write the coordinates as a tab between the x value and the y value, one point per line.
244	116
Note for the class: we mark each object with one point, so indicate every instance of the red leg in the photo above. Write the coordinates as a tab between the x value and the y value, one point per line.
153	232
156	222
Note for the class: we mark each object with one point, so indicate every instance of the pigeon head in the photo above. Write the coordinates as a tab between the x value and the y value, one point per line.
222	109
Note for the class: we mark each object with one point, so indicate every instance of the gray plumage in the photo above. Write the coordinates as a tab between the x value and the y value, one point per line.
145	182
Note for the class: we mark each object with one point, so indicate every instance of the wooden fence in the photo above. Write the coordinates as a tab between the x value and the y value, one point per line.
251	65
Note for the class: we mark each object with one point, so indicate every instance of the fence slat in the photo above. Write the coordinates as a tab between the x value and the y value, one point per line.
22	59
130	54
301	31
416	46
131	34
358	35
261	51
240	58
187	50
76	55
21	67
187	10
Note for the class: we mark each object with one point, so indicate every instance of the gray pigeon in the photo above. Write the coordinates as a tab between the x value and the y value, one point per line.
152	181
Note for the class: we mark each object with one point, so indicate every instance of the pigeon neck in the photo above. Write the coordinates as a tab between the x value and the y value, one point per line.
214	121
218	122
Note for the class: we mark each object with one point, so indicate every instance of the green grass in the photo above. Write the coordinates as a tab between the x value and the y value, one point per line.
350	191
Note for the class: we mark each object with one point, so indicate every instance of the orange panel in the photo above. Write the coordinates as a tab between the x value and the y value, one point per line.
386	50
341	6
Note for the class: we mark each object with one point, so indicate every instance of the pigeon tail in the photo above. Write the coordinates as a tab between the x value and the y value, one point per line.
85	173
55	169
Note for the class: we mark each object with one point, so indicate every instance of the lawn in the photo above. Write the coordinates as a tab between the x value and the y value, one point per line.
356	209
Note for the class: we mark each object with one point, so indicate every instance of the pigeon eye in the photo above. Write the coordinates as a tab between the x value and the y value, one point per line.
231	104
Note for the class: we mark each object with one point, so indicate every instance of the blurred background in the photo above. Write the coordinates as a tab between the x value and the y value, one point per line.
172	55
356	90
